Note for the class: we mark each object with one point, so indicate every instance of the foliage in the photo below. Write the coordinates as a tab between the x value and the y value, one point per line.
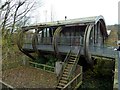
51	60
100	77
48	60
10	51
103	68
41	60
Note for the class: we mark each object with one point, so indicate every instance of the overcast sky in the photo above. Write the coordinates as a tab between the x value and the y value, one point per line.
77	9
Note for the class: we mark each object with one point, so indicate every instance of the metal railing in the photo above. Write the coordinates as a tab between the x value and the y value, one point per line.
44	40
72	41
42	66
28	38
74	83
74	66
6	86
64	65
66	40
107	51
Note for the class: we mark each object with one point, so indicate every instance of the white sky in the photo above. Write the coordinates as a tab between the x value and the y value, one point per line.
77	9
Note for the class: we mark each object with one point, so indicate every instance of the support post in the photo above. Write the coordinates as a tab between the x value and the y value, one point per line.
118	70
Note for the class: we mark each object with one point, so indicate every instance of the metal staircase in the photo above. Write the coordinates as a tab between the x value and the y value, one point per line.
68	69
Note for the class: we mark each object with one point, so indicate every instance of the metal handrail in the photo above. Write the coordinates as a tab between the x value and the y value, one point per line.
64	65
65	40
74	65
46	41
28	38
44	66
9	87
69	40
105	51
70	82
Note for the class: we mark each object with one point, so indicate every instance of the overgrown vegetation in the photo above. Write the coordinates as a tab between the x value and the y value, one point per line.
10	53
100	77
113	37
48	60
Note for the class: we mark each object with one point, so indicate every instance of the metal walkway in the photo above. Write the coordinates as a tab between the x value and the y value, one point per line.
94	50
88	34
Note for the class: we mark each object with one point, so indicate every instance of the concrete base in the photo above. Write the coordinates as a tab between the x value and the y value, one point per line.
58	67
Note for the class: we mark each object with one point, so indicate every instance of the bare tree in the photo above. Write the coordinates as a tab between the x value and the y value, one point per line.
14	18
15	12
6	14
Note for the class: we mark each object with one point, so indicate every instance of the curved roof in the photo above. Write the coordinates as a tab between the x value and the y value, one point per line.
79	21
85	20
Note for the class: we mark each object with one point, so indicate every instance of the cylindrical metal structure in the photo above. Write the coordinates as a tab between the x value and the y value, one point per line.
91	29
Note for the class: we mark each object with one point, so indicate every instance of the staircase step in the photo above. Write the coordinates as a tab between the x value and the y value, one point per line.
73	55
65	75
68	66
64	78
65	72
66	69
59	87
61	84
63	81
70	62
72	58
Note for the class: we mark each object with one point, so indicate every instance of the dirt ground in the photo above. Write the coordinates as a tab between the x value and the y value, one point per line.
29	77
